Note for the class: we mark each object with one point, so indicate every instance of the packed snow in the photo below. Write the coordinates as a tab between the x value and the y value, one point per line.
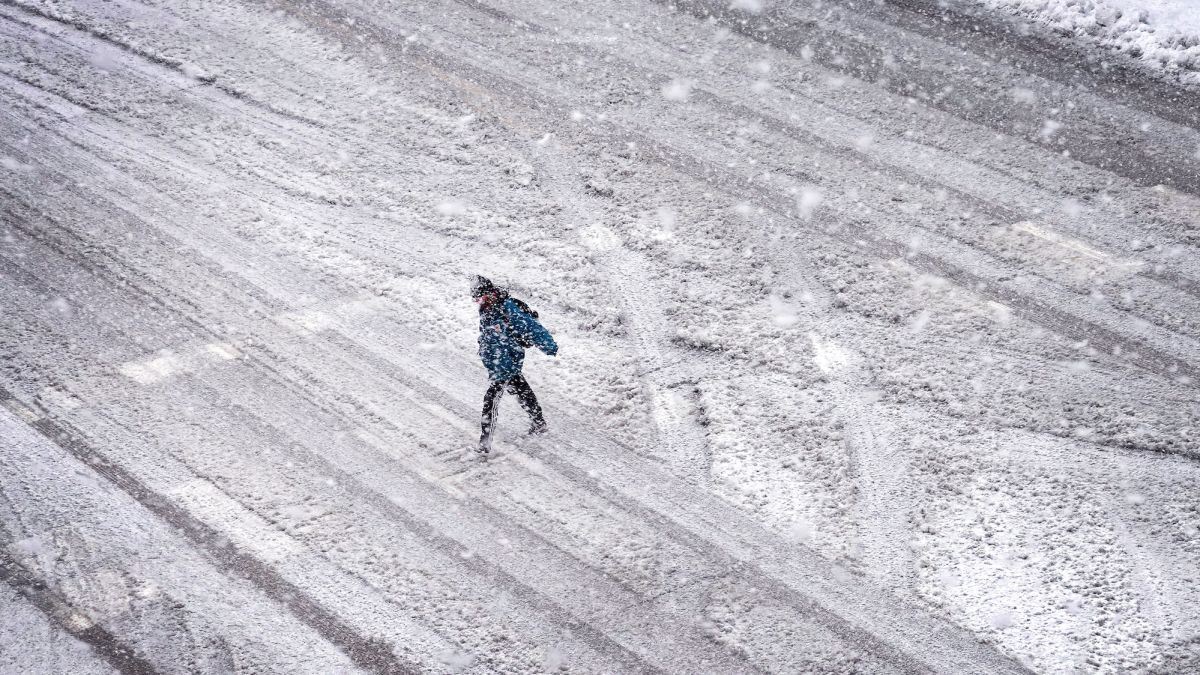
879	348
1163	36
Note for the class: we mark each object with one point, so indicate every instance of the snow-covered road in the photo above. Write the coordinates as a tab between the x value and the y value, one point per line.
879	328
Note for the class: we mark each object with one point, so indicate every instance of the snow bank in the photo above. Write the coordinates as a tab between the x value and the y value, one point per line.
1162	36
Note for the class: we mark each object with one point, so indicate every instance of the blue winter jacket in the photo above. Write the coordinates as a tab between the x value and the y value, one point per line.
499	348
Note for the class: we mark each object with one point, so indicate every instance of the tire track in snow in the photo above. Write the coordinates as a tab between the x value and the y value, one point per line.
61	613
131	571
850	633
150	57
854	635
366	653
882	521
469	538
477	525
782	586
877	462
1152	576
931	178
843	43
973	200
1163	276
343	347
1135	350
985	32
404	511
483	568
1032	308
1171	370
536	105
34	641
678	440
879	466
692	520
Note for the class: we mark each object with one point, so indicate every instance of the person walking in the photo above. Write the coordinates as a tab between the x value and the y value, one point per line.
506	327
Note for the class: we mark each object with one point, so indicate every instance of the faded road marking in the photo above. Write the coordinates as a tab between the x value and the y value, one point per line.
149	371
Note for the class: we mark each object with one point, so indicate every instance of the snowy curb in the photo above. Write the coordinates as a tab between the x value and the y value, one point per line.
1168	52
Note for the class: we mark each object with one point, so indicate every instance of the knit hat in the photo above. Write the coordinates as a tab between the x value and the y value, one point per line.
482	286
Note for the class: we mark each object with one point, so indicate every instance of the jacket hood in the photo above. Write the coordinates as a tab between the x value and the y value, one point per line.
481	286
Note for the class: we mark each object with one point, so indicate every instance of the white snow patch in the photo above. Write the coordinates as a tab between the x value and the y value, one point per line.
162	367
243	528
1023	95
599	238
1072	207
194	71
678	89
1001	620
801	531
829	356
58	399
920	321
29	546
12	164
452	207
808	200
1082	253
1000	313
750	6
555	659
1049	129
666	217
456	662
79	622
782	312
666	222
61	306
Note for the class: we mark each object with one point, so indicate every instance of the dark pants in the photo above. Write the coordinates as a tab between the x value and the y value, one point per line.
491	403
